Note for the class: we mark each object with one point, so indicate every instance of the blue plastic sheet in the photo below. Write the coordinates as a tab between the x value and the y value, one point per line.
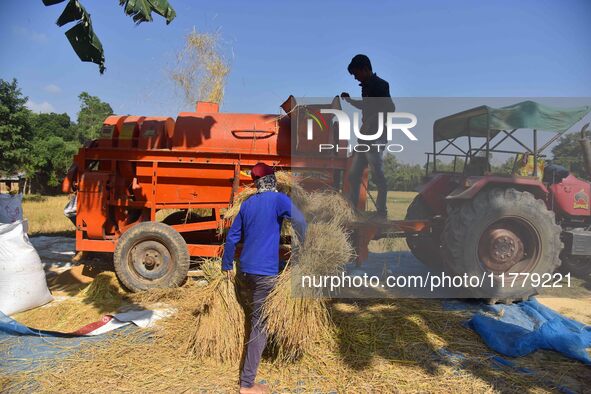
520	329
24	348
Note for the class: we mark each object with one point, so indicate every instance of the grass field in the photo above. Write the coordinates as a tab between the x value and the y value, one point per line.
397	204
46	215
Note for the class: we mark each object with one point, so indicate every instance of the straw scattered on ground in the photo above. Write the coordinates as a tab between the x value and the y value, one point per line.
378	346
399	345
104	295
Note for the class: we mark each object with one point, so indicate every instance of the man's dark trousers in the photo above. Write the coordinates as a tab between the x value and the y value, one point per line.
360	162
260	286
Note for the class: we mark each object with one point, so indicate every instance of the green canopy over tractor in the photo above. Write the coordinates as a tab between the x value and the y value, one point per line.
477	122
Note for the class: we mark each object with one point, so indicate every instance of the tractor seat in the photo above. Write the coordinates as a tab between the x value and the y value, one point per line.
477	166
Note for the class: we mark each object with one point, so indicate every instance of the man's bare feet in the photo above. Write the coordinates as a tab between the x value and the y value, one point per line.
257	388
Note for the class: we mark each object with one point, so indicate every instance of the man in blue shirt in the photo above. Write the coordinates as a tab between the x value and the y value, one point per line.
258	225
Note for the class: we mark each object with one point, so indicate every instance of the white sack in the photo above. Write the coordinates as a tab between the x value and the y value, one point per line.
22	279
11	208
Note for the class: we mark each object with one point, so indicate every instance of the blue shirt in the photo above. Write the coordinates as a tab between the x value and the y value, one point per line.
258	225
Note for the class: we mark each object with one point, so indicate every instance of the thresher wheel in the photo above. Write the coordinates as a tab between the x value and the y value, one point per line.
151	255
502	231
425	247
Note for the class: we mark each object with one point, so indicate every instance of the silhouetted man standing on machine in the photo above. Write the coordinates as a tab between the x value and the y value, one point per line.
372	88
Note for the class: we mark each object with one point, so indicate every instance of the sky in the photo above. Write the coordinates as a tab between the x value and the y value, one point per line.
424	48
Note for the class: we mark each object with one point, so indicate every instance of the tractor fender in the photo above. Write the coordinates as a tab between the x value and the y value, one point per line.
474	185
433	191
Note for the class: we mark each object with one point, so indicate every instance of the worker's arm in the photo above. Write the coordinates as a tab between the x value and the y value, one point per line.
356	103
234	236
287	210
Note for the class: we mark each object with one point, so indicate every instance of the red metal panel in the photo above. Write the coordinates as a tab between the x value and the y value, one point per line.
572	196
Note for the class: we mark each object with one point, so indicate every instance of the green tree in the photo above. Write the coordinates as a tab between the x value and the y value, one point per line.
92	114
568	153
60	125
15	129
399	176
51	158
506	168
54	142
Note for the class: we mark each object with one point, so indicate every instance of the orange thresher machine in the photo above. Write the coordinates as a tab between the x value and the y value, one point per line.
142	165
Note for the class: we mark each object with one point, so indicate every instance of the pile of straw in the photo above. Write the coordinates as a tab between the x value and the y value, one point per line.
104	289
328	206
210	322
69	312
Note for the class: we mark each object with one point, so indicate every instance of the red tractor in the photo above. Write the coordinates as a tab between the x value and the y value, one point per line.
482	222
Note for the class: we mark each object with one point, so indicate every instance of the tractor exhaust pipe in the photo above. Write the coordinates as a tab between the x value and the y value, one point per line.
586	147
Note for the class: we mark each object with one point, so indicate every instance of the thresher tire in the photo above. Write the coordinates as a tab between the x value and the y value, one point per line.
502	231
151	255
425	247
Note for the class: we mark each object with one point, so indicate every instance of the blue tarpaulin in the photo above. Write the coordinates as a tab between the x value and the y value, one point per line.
520	329
23	348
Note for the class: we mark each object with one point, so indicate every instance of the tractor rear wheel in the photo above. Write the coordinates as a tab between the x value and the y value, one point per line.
425	247
151	255
504	232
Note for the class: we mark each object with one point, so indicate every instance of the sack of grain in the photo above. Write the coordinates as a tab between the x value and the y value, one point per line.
22	279
11	208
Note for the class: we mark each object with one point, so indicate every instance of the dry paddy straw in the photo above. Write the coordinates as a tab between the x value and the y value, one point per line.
102	296
376	347
201	69
210	321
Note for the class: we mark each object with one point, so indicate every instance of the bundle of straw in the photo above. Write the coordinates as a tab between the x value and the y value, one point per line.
210	322
297	318
328	206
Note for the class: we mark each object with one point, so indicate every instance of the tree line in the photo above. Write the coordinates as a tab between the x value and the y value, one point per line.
40	147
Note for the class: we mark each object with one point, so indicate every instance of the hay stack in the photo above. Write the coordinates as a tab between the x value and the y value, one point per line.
328	206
